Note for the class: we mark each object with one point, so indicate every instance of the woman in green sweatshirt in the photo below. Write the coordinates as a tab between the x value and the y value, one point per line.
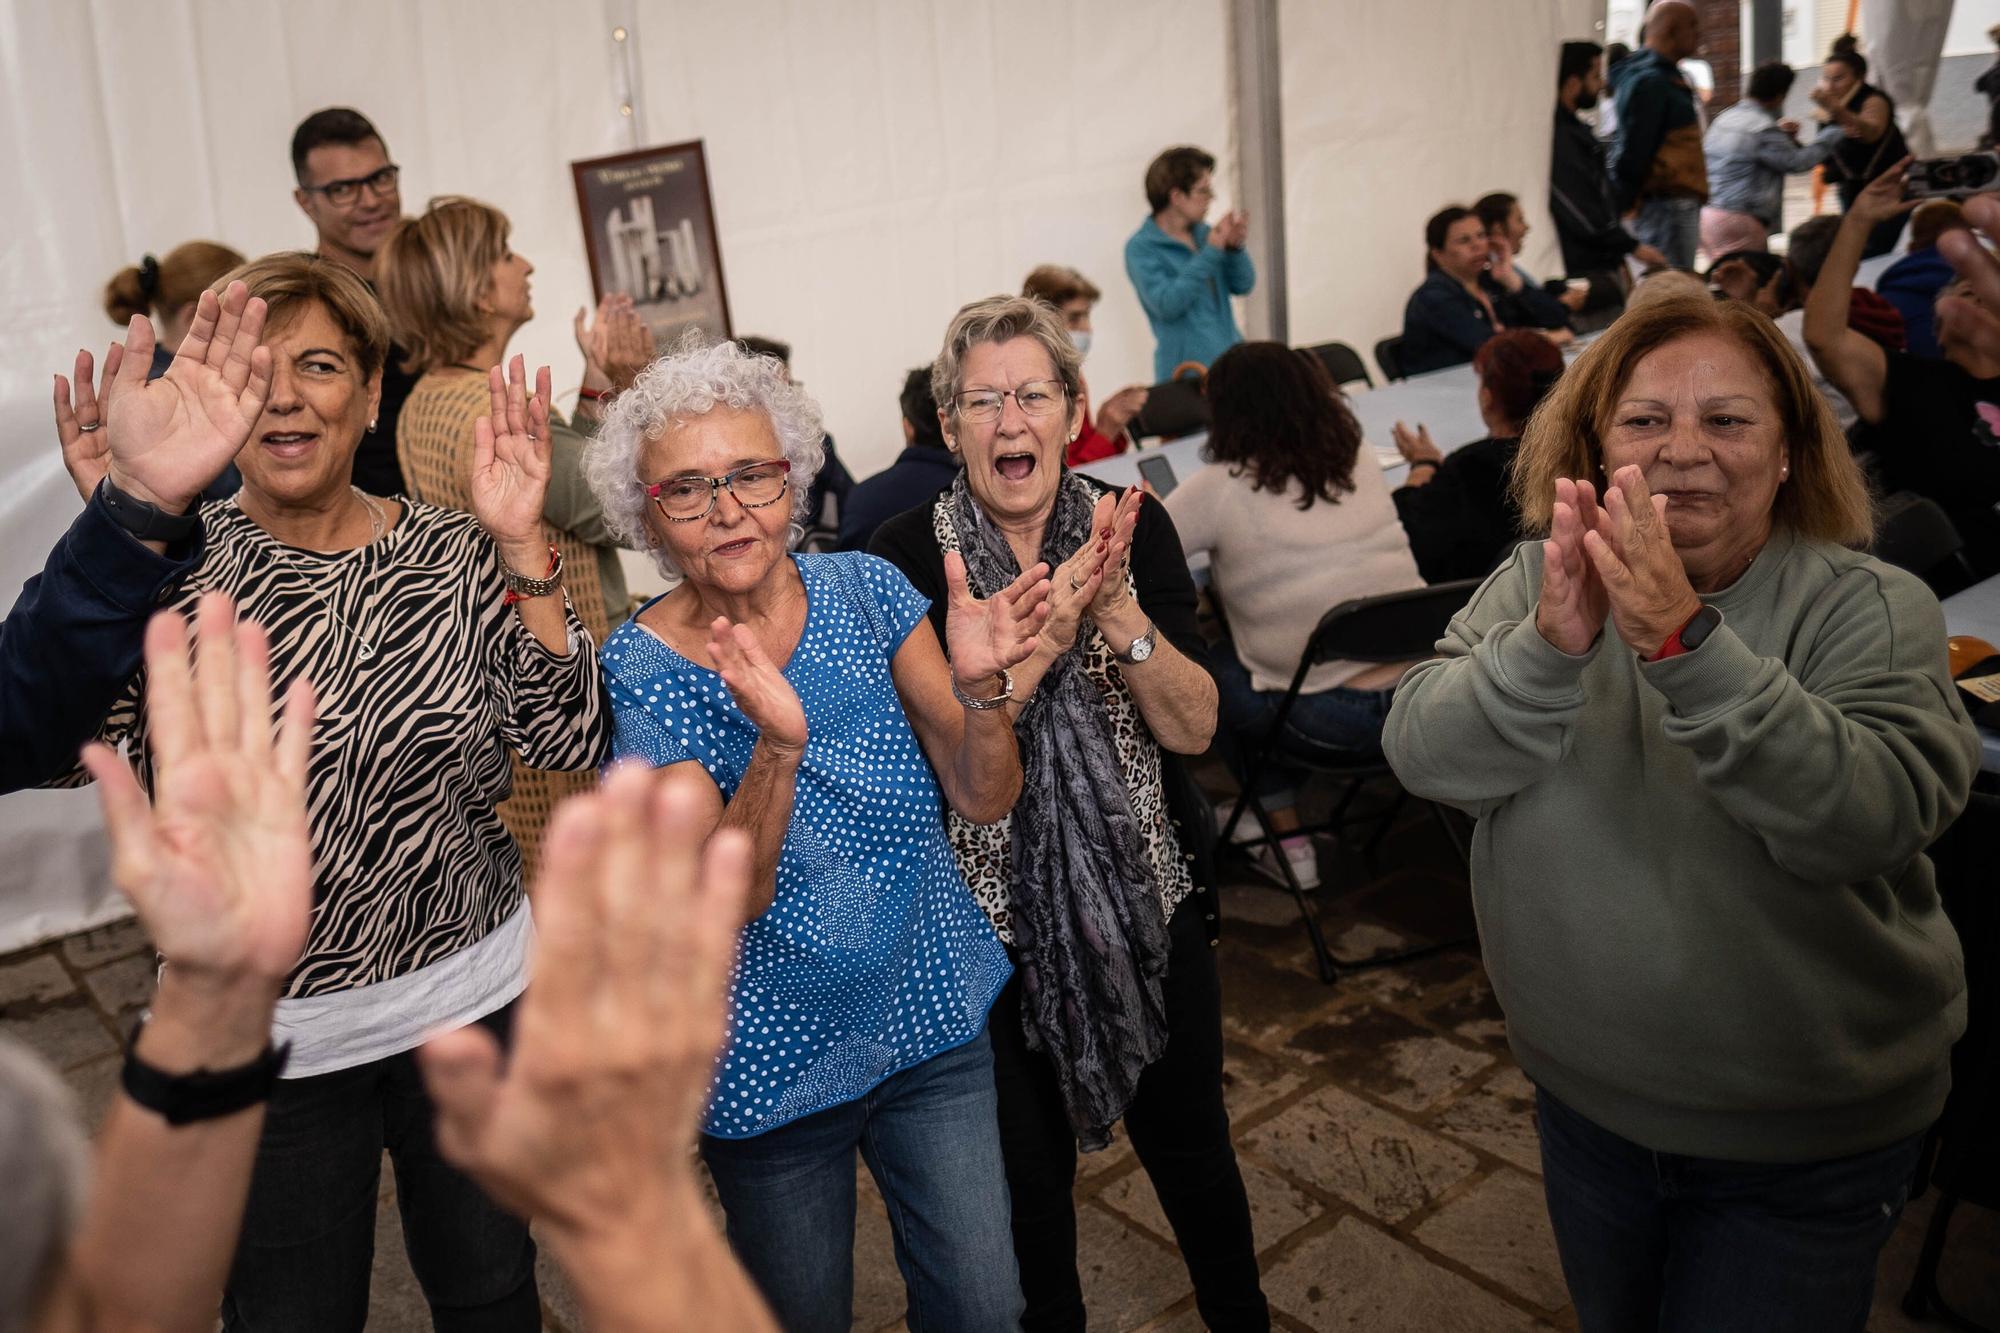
1707	742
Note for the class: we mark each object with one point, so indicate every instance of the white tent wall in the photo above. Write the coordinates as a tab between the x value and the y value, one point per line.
874	164
1392	111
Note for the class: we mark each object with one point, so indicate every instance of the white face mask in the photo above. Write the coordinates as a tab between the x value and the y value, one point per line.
1081	337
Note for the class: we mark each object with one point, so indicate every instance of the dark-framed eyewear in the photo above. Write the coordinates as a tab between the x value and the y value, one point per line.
344	192
1036	398
754	486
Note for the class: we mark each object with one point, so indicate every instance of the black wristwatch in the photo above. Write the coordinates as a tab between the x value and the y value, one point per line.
205	1094
1697	630
148	522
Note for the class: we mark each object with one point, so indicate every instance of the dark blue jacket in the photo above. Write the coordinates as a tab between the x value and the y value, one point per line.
73	639
1912	284
918	473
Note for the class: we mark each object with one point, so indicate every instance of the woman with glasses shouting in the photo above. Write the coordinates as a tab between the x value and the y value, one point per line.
1096	880
815	697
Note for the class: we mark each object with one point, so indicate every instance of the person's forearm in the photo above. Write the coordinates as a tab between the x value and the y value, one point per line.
985	772
1827	304
1175	696
674	1274
167	1201
762	808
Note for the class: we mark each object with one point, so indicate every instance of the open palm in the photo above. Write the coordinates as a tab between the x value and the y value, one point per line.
170	438
219	865
986	637
510	456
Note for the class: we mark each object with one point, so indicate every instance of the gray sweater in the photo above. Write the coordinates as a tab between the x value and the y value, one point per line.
1700	883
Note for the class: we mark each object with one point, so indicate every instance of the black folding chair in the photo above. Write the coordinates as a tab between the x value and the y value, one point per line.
1172	409
1394	627
1389	356
1913	532
1342	362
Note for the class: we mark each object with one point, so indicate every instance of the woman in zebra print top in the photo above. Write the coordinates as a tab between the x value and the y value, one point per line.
427	677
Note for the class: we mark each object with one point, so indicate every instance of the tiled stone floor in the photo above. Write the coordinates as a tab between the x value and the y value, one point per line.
1386	1136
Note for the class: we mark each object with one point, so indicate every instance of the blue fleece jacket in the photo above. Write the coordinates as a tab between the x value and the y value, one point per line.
1186	294
1912	284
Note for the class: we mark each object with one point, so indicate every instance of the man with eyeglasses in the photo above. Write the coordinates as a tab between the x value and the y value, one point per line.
348	187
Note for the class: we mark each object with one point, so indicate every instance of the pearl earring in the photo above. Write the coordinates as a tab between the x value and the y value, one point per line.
371	423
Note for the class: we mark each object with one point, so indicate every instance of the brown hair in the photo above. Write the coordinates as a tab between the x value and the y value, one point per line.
999	319
1058	284
1176	169
432	272
1279	418
291	279
162	286
1825	499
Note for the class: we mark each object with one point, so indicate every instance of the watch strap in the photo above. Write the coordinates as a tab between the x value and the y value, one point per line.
204	1094
145	520
1690	636
520	587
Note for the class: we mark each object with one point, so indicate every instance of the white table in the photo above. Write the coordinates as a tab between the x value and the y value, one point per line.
1976	611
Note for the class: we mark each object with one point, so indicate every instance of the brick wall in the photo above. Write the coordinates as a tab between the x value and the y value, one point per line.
1722	47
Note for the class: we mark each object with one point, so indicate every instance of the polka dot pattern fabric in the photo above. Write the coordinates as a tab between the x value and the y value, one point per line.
873	957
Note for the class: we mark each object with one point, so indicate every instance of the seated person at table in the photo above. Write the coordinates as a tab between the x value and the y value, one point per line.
925	467
1932	424
1294	526
1912	283
1506	227
1073	295
1456	508
1458	306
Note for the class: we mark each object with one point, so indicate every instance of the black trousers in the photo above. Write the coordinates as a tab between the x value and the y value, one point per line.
1179	1128
303	1262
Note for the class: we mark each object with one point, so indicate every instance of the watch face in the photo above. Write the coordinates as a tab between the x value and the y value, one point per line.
1698	629
1141	649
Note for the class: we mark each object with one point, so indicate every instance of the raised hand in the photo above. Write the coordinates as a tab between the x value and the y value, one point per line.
1112	525
1972	313
1417	447
986	637
1571	612
510	461
1632	551
1882	198
1117	411
589	1126
1073	586
758	684
170	438
1500	263
80	421
617	345
219	865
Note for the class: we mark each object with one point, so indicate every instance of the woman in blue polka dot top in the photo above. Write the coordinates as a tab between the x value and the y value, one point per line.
866	971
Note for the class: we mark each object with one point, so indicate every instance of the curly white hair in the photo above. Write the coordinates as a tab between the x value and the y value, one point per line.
691	380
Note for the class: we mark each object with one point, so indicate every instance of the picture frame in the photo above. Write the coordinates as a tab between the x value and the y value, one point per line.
649	233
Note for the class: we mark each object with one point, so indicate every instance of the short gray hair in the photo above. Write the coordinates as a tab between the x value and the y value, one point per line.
689	382
45	1160
999	319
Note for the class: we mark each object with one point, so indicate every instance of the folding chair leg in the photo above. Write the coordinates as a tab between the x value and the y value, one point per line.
1923	1300
1322	956
1381	829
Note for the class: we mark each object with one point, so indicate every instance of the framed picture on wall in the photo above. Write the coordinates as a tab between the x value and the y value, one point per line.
649	230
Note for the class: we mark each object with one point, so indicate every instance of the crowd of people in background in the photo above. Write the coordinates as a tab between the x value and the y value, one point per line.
924	877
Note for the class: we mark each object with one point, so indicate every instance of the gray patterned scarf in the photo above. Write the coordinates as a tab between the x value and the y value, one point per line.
1087	920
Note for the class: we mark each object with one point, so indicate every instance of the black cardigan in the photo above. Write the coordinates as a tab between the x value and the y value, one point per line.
1167	596
1462	522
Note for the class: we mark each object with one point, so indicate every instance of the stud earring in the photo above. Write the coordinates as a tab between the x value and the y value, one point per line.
371	423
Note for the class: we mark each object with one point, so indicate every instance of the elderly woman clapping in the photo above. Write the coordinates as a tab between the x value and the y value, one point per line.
815	697
1707	743
1094	880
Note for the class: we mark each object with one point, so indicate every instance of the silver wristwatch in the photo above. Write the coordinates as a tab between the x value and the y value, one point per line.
1141	648
523	587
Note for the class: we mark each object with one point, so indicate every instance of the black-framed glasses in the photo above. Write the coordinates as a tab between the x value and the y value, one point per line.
342	193
754	485
1036	398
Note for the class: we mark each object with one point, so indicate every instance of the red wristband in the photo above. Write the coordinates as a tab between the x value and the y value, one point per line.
592	395
1673	647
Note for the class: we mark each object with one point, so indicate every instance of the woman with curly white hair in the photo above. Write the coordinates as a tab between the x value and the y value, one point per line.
813	693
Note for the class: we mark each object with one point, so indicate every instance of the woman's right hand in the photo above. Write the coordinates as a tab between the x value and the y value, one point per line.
1418	447
1573	604
758	685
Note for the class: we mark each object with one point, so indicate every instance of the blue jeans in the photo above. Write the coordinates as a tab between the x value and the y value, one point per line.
1655	1240
304	1257
1332	726
931	1138
1672	225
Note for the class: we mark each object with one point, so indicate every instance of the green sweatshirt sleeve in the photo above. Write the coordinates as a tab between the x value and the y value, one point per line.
1496	709
569	503
1849	768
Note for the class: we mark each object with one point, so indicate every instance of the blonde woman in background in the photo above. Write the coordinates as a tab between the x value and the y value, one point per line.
456	294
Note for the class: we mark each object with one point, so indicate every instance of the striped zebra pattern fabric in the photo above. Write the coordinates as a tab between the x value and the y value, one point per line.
425	682
434	448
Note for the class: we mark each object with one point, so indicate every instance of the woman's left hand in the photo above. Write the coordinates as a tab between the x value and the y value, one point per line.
986	637
510	460
1643	577
1113	528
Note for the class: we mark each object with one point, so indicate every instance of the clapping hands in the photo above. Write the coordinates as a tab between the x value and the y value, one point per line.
984	637
1231	231
758	685
1615	560
616	345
